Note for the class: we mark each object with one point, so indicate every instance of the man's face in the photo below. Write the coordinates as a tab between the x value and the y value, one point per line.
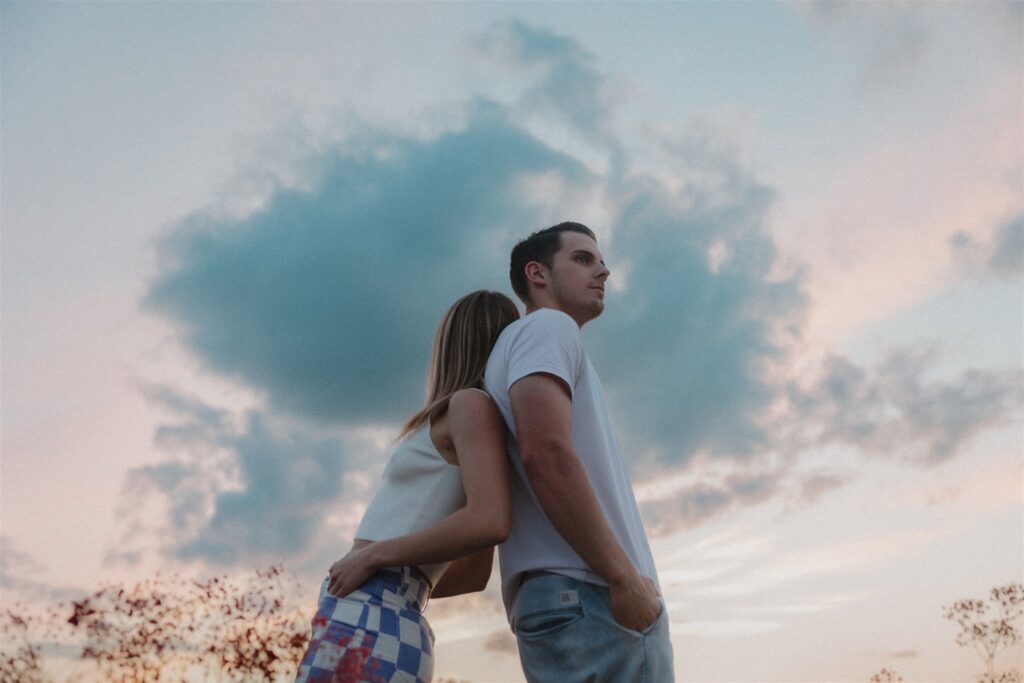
578	275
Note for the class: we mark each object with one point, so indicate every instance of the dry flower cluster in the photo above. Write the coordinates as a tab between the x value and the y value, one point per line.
167	629
886	676
989	626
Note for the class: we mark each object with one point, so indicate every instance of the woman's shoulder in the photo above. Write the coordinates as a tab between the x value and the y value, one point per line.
469	397
471	403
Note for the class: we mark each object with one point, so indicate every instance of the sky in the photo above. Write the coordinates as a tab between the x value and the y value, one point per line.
229	230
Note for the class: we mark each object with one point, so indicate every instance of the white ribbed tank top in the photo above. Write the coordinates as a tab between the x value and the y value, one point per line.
419	488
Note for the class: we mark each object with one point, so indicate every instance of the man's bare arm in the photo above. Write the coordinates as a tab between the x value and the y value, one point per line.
542	410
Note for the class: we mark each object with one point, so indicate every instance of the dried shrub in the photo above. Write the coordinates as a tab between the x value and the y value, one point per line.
20	656
172	628
989	625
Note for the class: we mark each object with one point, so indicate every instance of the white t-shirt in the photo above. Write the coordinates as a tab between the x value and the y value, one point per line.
549	341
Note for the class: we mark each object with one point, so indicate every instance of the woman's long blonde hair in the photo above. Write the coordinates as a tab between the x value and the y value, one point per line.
462	343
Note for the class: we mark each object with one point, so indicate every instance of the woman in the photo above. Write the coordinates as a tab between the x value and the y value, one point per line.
431	528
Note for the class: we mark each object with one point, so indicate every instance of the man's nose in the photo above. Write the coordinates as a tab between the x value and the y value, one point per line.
603	275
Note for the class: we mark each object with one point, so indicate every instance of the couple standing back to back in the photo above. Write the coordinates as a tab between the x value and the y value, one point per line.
513	447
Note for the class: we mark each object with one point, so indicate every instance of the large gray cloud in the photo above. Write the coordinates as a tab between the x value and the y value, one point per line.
327	298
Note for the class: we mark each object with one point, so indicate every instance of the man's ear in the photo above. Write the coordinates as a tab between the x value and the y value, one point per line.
536	274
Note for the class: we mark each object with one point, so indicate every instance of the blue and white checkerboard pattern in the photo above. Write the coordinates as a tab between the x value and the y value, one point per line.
377	634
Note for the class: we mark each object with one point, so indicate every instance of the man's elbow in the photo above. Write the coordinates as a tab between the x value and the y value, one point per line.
545	459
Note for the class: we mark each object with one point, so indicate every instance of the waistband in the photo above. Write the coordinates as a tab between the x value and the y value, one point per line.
570	574
398	587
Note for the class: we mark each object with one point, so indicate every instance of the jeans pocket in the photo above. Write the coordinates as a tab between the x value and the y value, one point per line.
547	621
654	624
645	630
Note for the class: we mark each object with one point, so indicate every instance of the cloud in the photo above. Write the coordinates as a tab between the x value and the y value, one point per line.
1008	255
22	575
234	493
710	488
14	561
898	48
566	81
16	568
893	39
684	348
816	485
691	505
890	410
1001	256
326	299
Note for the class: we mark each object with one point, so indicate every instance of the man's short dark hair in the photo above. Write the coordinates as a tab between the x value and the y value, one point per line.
541	247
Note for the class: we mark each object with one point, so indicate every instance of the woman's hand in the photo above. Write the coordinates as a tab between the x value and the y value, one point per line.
351	571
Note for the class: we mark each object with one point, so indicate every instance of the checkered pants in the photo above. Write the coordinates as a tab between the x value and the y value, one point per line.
377	634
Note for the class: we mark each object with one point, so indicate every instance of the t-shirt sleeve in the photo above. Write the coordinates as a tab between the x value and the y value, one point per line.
549	343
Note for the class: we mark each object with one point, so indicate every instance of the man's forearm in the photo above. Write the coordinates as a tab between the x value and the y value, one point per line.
567	498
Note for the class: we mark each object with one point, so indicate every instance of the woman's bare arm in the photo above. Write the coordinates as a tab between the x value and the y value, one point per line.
478	433
467	574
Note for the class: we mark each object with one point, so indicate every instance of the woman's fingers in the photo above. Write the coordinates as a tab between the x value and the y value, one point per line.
336	582
348	573
341	584
337	589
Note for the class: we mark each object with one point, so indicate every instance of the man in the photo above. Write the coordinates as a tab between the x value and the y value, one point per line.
578	578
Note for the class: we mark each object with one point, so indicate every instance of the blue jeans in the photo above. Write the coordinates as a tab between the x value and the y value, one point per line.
567	634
